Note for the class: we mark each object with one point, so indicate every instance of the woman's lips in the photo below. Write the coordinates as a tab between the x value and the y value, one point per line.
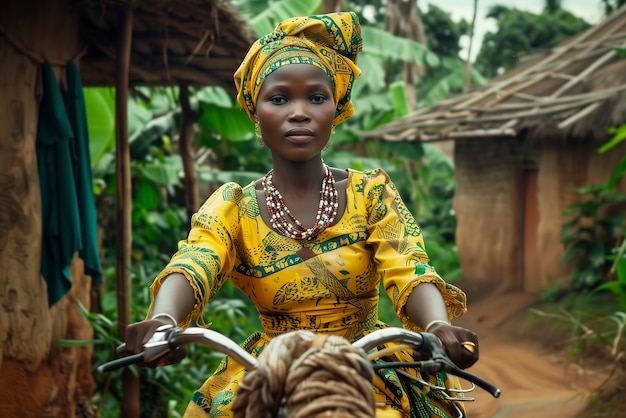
299	135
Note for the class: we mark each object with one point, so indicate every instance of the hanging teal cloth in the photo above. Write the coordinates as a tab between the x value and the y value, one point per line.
59	206
79	146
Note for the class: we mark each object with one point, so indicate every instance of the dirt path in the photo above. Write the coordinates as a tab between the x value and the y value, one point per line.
536	381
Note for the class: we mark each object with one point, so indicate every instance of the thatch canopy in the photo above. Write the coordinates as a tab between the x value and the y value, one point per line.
195	42
574	91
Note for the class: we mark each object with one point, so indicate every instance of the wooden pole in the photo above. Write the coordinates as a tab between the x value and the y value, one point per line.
129	404
189	117
467	76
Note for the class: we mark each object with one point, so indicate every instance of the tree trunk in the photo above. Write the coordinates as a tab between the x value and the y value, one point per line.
333	6
189	118
467	82
403	19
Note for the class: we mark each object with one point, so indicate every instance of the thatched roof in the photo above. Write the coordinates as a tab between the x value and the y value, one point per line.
574	91
199	42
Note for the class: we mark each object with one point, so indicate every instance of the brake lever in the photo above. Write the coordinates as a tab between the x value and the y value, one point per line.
434	350
438	361
157	346
438	354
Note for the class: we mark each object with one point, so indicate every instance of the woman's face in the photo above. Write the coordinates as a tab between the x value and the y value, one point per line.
295	110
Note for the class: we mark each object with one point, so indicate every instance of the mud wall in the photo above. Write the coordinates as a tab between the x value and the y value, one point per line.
37	377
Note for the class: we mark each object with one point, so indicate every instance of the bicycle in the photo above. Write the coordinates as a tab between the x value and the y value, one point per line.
345	361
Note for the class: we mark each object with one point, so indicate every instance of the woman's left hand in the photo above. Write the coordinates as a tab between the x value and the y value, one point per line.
461	344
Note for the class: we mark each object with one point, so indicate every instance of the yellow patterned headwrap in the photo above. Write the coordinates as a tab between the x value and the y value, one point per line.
331	42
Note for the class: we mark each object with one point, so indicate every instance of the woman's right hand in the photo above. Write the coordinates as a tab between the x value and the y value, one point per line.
139	333
460	344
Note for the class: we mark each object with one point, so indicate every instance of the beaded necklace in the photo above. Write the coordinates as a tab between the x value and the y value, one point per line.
284	222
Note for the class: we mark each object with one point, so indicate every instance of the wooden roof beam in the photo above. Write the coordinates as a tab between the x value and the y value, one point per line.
577	116
414	135
590	69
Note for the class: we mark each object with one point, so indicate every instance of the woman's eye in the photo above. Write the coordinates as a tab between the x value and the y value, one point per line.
318	99
278	100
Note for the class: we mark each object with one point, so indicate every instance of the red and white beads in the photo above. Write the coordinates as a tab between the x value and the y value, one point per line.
284	222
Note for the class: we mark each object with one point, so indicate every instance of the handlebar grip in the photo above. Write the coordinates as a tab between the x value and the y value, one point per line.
121	362
481	383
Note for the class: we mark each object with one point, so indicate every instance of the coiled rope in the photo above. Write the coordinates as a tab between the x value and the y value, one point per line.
303	375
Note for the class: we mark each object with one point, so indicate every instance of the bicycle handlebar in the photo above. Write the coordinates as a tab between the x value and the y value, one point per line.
168	338
427	344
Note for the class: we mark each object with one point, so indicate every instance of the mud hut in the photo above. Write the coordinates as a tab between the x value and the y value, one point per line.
117	43
521	143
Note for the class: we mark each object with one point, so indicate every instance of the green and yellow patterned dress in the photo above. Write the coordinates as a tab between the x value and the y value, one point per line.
327	285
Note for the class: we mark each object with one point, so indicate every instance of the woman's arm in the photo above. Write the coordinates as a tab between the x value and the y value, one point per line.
174	301
175	298
195	272
425	306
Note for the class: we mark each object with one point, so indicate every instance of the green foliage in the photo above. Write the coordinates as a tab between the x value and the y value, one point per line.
101	123
228	132
264	16
618	286
521	34
158	222
443	69
442	33
229	122
381	60
153	131
439	223
620	171
589	235
589	324
103	327
611	6
618	268
399	99
444	80
387	46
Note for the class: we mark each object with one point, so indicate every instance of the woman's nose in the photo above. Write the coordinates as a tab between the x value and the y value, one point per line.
299	110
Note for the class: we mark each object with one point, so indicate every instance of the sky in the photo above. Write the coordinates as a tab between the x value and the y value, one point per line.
590	10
